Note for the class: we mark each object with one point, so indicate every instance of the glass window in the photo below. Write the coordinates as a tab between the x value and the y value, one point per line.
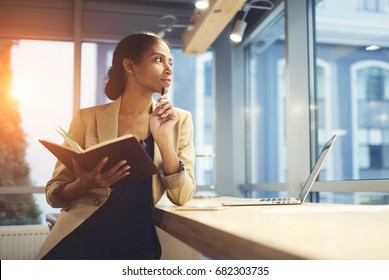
40	75
265	103
373	5
96	58
352	88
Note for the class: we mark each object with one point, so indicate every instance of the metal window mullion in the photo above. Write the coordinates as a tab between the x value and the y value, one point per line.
21	190
297	94
364	186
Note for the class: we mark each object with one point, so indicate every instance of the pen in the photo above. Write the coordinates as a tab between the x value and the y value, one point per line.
163	91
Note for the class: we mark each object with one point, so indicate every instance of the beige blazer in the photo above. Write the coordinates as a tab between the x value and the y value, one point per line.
96	124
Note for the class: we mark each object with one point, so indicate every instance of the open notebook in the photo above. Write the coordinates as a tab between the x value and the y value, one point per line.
290	200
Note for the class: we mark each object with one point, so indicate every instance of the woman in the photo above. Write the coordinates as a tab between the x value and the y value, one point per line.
106	215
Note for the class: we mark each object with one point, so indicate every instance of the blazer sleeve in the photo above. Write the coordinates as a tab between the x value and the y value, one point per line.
61	175
181	186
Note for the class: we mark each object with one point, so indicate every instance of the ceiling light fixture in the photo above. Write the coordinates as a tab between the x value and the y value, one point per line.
240	25
168	22
372	48
238	31
202	4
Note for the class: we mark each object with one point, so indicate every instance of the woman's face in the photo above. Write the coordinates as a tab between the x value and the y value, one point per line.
154	69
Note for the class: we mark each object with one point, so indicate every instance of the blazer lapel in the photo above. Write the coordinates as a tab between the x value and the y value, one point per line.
156	183
107	121
157	153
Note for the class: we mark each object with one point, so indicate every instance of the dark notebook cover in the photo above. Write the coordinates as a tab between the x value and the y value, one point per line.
123	149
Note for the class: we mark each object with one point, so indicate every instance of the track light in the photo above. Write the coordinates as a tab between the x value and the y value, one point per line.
240	25
202	4
238	31
168	23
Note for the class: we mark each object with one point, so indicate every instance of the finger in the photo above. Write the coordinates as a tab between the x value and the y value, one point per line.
162	102
123	172
162	97
165	107
157	110
100	165
110	172
167	112
122	176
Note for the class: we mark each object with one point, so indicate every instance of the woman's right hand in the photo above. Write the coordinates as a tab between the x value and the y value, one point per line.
95	178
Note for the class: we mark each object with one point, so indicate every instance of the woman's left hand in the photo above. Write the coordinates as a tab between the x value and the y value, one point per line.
163	119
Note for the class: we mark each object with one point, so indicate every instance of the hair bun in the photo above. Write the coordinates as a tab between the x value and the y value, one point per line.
115	86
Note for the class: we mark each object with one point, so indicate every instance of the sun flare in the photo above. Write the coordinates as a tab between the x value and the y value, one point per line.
20	91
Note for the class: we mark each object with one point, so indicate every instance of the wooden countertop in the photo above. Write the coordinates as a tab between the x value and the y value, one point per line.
308	231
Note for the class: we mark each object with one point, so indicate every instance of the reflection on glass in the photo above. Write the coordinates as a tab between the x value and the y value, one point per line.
205	176
352	93
265	105
352	86
355	198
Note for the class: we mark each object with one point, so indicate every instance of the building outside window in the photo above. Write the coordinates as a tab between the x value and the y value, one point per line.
349	38
265	103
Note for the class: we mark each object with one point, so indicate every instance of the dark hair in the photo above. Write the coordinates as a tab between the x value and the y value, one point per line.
132	47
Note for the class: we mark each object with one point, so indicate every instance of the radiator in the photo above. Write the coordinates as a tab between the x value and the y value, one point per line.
21	242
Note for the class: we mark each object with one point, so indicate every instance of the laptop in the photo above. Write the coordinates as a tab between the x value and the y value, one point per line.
289	200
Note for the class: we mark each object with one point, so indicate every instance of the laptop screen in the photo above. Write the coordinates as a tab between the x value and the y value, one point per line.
316	169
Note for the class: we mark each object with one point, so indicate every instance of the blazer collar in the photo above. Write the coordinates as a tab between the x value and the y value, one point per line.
108	119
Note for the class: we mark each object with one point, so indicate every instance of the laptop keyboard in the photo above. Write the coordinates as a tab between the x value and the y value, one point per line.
278	199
